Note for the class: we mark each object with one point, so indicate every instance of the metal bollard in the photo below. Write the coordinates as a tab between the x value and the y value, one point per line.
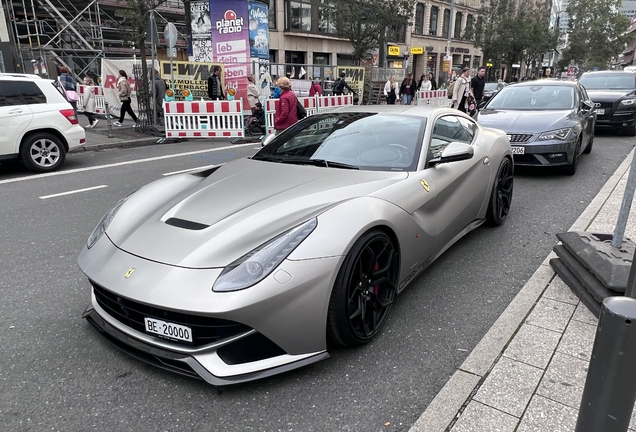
610	386
108	121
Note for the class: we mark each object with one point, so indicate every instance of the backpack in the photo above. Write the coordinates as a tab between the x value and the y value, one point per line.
300	110
339	87
449	90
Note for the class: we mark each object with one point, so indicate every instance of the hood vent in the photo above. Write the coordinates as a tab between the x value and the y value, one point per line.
185	224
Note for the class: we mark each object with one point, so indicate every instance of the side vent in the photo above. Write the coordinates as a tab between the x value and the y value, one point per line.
189	225
206	172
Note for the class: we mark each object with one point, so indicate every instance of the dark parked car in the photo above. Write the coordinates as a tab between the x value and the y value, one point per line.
614	96
490	89
549	123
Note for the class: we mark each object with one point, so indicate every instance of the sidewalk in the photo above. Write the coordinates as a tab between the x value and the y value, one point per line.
529	370
124	136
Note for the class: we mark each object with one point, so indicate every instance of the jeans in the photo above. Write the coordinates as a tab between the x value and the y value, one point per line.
406	99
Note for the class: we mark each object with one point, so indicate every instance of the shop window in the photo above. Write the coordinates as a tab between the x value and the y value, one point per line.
432	29
458	25
418	27
295	57
321	58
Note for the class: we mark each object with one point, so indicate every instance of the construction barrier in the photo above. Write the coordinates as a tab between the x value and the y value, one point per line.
334	101
100	106
204	119
435	98
312	105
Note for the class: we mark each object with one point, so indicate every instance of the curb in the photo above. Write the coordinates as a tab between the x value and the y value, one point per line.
465	382
137	142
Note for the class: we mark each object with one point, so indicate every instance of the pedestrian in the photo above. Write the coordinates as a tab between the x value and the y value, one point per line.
124	91
431	78
252	92
391	90
425	84
341	84
477	85
461	90
257	114
276	92
407	89
89	103
315	88
287	111
160	94
215	86
67	84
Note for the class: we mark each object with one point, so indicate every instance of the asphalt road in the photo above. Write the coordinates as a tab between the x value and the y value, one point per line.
58	374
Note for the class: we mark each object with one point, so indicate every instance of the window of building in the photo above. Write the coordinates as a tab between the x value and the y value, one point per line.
345	60
458	25
326	22
470	22
418	27
446	22
321	58
432	29
476	62
295	57
298	15
272	14
396	33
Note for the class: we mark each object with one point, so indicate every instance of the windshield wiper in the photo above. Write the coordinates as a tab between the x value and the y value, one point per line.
268	158
305	161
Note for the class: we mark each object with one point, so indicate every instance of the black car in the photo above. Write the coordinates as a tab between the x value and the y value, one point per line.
614	97
549	123
490	89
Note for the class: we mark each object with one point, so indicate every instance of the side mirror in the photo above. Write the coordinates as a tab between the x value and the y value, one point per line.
453	152
268	139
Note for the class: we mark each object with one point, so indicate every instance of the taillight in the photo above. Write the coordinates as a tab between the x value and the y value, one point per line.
70	115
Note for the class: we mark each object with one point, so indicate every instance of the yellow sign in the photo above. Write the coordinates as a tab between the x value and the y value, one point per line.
190	75
129	272
446	67
393	50
425	185
489	64
417	50
354	76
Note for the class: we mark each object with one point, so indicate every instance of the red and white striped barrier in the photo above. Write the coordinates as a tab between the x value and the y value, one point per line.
435	98
270	112
334	101
204	119
100	106
312	105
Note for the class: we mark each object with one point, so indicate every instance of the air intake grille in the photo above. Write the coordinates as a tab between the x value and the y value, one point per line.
519	138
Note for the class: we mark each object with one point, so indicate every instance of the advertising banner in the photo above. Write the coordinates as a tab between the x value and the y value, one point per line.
200	30
192	76
110	75
354	77
259	30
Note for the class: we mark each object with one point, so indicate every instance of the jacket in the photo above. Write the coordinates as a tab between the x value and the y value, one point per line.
459	90
412	87
88	101
252	95
123	89
215	92
315	89
286	113
387	88
426	86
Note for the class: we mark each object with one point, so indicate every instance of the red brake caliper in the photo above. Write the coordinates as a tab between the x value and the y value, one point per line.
376	288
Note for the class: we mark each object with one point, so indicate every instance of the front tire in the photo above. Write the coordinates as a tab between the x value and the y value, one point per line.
364	291
501	195
42	152
588	149
571	169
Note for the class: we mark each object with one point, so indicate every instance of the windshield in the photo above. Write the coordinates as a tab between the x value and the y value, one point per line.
615	81
536	98
490	86
371	141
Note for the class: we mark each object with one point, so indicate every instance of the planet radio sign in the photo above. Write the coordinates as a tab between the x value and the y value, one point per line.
230	23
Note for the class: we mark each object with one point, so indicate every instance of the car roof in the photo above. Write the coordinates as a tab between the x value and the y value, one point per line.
20	77
419	110
545	82
605	72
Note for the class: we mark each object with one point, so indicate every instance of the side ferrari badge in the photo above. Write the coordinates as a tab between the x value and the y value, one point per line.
424	184
129	272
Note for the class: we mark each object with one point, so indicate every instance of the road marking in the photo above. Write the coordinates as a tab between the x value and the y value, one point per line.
152	159
191	169
73	192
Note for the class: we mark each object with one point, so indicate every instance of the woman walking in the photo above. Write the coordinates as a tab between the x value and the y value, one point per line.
88	102
391	90
407	89
461	91
431	78
425	84
252	92
123	90
286	114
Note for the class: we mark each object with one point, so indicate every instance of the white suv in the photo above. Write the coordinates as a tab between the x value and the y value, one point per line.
37	124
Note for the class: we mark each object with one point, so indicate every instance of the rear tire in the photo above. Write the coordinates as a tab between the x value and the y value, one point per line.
42	152
501	195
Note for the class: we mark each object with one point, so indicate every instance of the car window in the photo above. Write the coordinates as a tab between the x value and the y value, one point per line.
609	81
534	97
9	94
449	129
30	91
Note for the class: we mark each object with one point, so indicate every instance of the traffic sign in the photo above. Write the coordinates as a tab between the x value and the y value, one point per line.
170	35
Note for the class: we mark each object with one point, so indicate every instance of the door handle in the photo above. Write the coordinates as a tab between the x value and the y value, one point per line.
16	111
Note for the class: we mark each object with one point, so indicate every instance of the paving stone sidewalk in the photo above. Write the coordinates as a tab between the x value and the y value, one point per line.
528	372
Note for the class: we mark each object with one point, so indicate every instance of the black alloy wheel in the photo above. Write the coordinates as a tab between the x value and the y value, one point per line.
364	291
501	196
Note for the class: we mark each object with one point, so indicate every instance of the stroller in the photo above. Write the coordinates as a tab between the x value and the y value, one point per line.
256	128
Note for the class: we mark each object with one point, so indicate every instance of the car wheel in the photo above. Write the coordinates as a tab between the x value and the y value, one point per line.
571	169
42	152
364	290
588	149
501	195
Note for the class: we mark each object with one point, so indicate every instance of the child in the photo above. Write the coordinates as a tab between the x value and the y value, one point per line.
257	115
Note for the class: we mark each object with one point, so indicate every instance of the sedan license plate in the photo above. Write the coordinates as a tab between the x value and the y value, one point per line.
600	111
168	330
518	150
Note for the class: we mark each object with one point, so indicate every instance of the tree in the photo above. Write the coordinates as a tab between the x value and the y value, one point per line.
489	31
364	22
597	32
539	37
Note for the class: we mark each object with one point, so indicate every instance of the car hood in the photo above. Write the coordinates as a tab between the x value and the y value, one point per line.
524	121
608	95
240	206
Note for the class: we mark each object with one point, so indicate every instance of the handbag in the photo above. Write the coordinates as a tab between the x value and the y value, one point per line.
71	95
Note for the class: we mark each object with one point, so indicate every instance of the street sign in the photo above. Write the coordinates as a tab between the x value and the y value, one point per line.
516	66
170	35
393	50
172	52
446	66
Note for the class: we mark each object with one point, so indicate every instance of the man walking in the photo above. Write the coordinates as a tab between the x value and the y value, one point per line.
160	94
215	87
477	85
341	84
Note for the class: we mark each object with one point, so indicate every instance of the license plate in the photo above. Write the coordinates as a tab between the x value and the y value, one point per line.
518	150
168	330
600	111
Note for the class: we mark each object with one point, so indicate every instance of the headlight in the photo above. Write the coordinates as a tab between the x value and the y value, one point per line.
256	265
560	134
627	102
101	227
